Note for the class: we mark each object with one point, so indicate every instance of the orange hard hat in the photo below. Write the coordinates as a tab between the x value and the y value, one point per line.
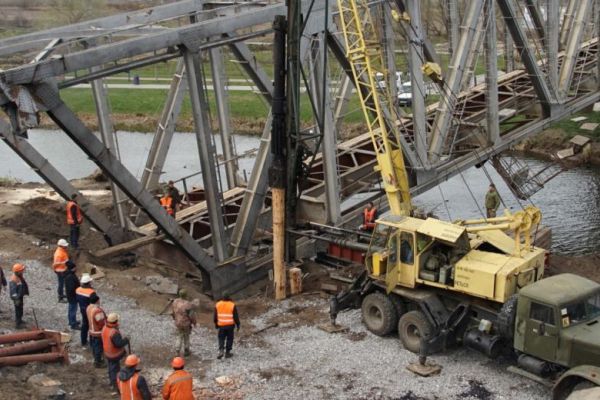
18	268
132	360
178	362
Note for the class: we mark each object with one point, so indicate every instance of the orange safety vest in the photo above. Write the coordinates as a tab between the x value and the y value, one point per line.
128	389
179	386
96	317
369	217
225	313
61	256
84	291
70	220
167	203
110	350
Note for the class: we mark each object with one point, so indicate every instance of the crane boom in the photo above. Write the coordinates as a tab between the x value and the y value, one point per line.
364	52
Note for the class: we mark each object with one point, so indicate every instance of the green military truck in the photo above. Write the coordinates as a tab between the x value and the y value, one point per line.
552	325
556	331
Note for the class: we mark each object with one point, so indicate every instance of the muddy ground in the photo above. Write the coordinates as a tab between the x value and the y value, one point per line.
279	352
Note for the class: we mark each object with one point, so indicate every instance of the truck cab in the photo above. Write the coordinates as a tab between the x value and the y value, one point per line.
558	321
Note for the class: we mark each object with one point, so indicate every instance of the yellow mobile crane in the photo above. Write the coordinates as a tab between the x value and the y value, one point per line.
427	277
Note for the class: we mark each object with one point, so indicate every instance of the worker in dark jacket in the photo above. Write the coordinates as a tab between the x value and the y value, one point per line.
71	285
175	196
132	385
113	345
18	290
3	282
83	293
226	318
492	201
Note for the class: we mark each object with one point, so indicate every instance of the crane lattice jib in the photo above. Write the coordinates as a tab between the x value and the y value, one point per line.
365	55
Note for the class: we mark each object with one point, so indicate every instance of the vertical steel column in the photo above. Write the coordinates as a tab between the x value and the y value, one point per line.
458	66
389	46
108	135
341	101
538	22
491	75
415	61
221	98
509	51
565	29
206	151
328	130
572	49
166	127
453	33
552	18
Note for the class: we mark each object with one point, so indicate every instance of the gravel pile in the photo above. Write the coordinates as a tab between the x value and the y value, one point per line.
300	362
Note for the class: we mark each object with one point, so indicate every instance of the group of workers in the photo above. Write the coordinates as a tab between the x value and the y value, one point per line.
101	330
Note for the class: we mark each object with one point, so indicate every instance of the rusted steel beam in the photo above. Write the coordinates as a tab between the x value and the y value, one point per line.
25	359
28	347
22	336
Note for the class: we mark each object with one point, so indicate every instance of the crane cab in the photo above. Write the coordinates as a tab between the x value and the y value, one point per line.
411	252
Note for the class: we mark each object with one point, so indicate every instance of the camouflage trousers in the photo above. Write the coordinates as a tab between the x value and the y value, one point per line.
183	339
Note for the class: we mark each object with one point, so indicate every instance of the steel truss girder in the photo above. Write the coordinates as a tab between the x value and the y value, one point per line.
58	182
573	46
458	65
217	279
192	37
547	97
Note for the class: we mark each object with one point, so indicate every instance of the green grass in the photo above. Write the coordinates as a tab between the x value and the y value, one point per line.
571	128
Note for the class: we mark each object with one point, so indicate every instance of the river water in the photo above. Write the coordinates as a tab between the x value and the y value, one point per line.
570	202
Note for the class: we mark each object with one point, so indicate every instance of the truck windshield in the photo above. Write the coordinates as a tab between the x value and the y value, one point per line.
380	237
582	311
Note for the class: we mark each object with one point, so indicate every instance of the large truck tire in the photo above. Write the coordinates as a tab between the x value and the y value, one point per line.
379	314
505	322
412	326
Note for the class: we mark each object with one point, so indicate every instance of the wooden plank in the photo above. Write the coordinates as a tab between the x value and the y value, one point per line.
127	246
190	212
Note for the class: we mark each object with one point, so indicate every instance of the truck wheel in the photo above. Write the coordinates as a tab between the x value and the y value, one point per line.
411	328
379	314
505	322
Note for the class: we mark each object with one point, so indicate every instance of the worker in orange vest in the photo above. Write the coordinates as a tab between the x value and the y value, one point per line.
226	318
113	345
131	384
74	219
167	202
179	385
369	217
18	290
60	263
83	294
97	319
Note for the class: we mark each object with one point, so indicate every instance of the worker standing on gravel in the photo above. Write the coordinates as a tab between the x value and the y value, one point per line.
59	264
183	314
226	318
74	220
131	384
113	345
83	299
179	385
492	201
3	282
97	319
18	290
71	285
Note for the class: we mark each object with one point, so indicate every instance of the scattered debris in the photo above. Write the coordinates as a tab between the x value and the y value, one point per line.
46	388
579	144
589	126
160	284
578	119
39	345
476	390
224	380
597	107
331	328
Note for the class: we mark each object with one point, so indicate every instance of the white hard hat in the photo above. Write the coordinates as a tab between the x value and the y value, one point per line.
86	278
112	318
63	243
